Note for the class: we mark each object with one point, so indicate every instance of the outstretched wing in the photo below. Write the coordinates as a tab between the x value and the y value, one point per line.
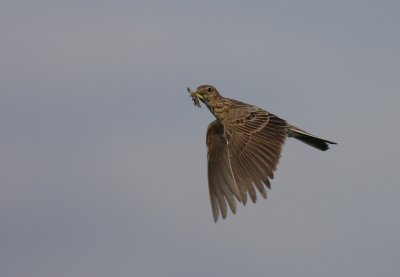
255	139
222	187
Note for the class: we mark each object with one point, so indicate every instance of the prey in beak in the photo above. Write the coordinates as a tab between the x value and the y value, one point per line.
195	97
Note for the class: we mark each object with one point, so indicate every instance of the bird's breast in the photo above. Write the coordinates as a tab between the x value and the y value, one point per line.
220	111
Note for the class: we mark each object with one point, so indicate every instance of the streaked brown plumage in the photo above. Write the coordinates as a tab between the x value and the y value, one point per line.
244	145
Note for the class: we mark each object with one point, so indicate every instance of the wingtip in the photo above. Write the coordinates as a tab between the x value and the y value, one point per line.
215	216
264	194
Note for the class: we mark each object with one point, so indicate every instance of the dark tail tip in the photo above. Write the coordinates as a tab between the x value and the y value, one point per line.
318	143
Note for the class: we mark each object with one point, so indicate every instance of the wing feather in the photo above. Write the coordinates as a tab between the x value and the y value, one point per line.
222	187
255	139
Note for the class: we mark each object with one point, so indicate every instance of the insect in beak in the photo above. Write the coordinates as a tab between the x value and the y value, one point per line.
195	97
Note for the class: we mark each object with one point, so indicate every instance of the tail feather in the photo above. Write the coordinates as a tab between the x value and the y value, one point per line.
316	142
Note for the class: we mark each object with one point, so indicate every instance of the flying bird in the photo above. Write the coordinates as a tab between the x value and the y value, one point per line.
244	145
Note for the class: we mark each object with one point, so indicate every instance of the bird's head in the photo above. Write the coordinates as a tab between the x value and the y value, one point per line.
207	94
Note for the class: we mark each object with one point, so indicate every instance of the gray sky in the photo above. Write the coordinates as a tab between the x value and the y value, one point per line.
103	158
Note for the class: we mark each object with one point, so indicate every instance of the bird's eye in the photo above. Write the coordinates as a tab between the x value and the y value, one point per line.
209	89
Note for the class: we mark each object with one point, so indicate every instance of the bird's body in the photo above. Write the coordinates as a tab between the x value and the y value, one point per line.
244	145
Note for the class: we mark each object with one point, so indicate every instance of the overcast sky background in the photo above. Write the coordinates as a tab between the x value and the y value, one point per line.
103	158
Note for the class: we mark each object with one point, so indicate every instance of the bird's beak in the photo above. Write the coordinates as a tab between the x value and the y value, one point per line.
198	95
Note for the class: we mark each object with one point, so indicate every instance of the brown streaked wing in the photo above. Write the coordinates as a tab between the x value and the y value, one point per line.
221	184
255	139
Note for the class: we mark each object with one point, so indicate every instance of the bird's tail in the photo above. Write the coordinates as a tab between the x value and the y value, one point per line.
316	142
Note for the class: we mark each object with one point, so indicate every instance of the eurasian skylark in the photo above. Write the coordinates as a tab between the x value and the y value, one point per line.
244	145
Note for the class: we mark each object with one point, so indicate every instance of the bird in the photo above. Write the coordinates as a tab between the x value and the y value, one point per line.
244	145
